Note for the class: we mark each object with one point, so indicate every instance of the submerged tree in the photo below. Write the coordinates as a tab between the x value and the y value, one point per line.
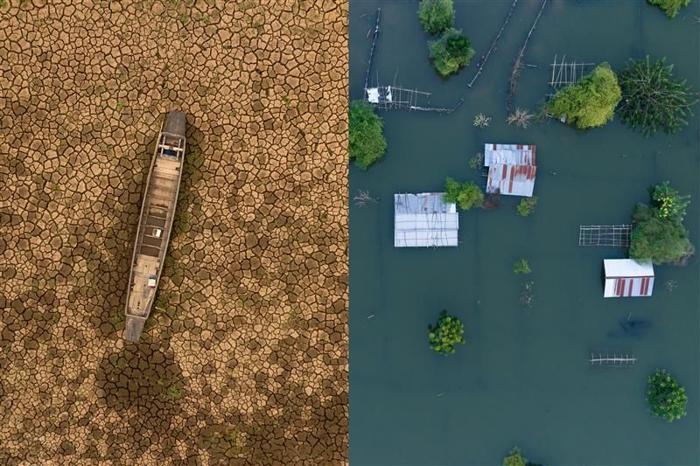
481	120
520	118
446	334
367	143
521	266
670	7
436	16
670	204
660	240
515	458
590	102
451	52
466	195
477	162
526	206
652	99
666	398
658	234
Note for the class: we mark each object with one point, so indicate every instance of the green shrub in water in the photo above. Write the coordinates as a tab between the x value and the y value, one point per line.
652	99
367	143
670	7
451	52
448	332
515	458
666	398
590	102
658	233
465	195
521	266
669	203
526	206
436	16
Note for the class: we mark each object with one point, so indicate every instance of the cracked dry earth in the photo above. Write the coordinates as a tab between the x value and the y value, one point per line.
244	360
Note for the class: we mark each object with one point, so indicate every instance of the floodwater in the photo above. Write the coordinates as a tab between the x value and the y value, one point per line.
523	377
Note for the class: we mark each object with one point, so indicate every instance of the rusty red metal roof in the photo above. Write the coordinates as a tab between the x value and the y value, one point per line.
509	154
514	180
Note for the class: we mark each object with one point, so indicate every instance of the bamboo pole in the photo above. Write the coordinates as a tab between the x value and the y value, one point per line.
517	64
494	43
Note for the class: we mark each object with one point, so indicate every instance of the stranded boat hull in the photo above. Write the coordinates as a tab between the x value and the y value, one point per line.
155	223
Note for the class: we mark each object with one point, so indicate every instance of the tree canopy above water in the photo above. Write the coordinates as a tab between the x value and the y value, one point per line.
590	102
659	234
436	16
466	195
652	99
367	143
670	7
666	398
451	52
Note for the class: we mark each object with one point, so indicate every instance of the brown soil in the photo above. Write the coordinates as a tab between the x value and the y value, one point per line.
244	361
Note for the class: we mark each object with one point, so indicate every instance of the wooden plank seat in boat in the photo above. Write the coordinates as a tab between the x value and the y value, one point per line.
154	221
149	250
152	241
163	185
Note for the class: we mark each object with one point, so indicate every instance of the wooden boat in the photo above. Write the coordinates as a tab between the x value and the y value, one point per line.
155	223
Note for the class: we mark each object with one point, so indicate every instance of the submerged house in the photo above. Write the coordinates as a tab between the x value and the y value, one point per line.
627	277
424	220
512	169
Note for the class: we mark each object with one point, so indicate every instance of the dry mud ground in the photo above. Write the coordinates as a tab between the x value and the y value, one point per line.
245	359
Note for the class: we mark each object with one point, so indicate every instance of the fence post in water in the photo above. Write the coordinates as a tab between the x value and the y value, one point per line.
484	58
517	64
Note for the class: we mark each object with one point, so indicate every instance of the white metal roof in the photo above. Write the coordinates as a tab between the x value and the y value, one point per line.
509	154
424	219
627	268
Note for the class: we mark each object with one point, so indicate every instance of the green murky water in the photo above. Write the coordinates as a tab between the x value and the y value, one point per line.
523	377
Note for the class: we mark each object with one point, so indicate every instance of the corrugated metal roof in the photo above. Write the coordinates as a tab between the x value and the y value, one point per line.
424	219
509	154
512	168
514	180
628	287
627	268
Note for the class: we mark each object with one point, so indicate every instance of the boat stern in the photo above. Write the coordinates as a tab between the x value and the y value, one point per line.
133	328
175	123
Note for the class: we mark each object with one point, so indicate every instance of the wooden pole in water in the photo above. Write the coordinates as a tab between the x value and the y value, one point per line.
494	43
371	50
517	64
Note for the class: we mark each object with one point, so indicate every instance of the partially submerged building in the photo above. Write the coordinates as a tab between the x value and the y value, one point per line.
627	277
512	169
424	220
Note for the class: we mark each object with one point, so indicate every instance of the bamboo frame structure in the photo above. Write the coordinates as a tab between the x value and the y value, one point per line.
612	360
392	97
605	235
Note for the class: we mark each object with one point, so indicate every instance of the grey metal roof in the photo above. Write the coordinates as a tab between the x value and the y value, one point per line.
424	220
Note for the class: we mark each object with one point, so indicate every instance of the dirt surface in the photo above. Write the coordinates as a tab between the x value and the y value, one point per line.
244	361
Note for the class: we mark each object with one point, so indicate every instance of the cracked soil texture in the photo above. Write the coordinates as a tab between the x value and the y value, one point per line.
244	359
